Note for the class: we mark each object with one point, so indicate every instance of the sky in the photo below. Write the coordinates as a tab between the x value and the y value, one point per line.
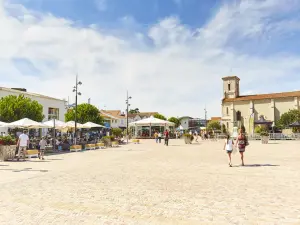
170	55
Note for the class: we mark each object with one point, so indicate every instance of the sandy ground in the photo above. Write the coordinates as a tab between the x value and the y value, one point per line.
154	184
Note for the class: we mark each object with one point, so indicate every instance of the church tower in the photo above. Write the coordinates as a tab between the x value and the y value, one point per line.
231	87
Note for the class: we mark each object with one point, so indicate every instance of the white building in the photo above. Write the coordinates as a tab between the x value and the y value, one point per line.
117	118
184	122
52	107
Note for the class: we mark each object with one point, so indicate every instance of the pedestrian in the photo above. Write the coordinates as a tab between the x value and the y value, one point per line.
196	136
176	134
23	144
228	146
241	143
159	137
167	138
156	137
42	145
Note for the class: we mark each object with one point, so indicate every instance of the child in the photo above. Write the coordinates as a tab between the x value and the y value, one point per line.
228	146
42	145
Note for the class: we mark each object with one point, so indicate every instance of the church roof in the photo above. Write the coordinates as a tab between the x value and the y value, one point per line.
263	96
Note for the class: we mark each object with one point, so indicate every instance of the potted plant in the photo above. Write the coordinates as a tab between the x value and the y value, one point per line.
7	148
264	137
107	140
188	138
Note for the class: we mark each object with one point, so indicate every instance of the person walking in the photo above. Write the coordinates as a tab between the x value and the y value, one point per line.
159	137
167	138
156	137
228	146
196	136
42	145
241	143
23	144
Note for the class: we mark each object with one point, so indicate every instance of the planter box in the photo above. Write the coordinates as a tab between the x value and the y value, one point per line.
7	152
264	139
187	140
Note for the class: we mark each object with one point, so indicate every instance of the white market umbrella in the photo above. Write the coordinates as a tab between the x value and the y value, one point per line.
71	124
2	124
58	124
151	121
27	123
92	125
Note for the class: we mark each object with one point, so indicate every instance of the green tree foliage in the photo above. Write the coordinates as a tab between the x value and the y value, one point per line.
214	125
174	120
287	118
117	132
13	108
159	116
85	113
134	111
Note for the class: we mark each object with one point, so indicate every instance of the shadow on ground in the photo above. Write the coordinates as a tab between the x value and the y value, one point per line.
24	170
258	165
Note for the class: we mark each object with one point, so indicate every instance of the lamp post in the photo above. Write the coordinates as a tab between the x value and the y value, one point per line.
75	89
205	111
127	104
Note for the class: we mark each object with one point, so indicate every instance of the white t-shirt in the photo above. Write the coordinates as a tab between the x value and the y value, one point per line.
159	134
229	145
23	140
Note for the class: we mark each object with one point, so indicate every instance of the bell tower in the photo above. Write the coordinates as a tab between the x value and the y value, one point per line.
231	87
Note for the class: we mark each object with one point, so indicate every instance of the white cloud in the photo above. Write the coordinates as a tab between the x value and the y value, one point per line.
177	75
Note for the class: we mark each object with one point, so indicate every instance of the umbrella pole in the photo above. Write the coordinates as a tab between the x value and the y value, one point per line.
54	134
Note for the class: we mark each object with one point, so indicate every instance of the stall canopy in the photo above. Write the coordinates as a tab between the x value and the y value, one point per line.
152	122
92	125
2	124
27	123
71	124
58	124
295	124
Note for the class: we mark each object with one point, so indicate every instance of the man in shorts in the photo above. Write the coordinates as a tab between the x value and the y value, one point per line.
23	143
42	145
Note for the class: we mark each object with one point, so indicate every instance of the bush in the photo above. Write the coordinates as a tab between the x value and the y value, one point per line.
117	132
107	140
8	140
264	133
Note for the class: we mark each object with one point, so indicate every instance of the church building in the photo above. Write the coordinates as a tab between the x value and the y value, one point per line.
253	110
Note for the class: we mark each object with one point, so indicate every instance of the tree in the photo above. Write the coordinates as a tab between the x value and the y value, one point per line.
117	132
214	125
134	111
85	113
287	118
159	116
174	120
13	108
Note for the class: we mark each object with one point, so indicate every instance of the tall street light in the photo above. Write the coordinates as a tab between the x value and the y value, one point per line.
75	89
127	104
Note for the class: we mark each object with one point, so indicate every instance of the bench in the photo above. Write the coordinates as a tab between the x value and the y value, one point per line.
75	148
100	146
90	147
136	141
115	144
32	153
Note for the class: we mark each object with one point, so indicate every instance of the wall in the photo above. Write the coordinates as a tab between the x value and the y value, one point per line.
184	122
45	102
262	107
283	105
244	108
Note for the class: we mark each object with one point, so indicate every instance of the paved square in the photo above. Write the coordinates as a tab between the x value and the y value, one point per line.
154	184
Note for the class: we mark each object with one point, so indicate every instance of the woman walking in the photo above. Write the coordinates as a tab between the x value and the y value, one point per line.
228	146
241	143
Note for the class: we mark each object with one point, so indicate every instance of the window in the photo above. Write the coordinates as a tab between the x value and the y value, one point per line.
238	116
53	113
227	125
227	111
229	87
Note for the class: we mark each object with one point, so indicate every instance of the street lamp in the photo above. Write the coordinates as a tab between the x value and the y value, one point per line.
127	104
75	89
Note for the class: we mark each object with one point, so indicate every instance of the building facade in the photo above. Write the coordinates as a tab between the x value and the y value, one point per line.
251	110
52	107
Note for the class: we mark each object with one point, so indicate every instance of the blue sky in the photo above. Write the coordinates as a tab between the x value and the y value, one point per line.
169	54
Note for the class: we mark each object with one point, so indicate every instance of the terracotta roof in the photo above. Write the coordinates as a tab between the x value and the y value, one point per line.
216	118
29	93
142	114
263	96
111	113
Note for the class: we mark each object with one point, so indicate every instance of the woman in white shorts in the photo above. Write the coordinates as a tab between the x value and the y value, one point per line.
228	146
